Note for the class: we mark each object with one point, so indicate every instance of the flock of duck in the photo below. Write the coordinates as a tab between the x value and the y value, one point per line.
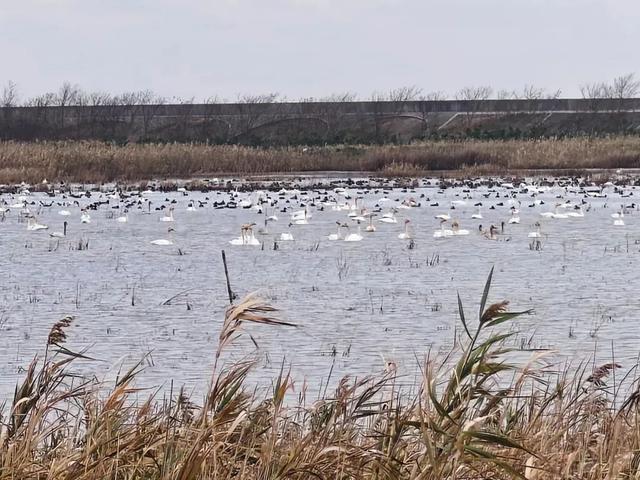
357	211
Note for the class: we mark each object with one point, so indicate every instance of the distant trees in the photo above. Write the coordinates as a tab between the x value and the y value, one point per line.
9	95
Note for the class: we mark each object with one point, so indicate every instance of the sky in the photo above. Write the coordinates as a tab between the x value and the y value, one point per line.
313	48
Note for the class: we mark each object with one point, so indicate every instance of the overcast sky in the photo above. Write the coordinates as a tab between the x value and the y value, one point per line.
312	48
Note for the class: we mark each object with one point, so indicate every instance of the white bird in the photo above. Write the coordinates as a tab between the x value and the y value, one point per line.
336	236
246	236
442	233
64	213
537	233
371	227
576	214
123	218
354	237
443	216
61	234
286	236
514	217
405	235
85	217
164	241
168	218
478	215
33	225
389	217
456	230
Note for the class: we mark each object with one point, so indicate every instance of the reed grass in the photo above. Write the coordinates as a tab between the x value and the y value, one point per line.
95	162
474	416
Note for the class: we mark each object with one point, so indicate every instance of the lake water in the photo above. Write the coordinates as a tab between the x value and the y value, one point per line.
358	305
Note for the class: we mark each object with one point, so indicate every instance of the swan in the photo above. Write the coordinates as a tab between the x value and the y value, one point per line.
491	233
354	237
443	216
405	235
478	214
371	227
537	233
456	230
618	222
286	236
191	208
123	218
168	218
246	236
34	225
64	213
164	241
619	214
301	217
336	236
442	233
85	217
388	218
61	234
514	217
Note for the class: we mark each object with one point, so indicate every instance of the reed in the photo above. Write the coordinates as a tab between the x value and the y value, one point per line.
95	162
473	415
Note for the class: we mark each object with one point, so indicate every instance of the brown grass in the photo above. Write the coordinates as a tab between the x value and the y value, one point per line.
473	416
99	162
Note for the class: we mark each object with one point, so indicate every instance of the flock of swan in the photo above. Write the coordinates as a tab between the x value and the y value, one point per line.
357	212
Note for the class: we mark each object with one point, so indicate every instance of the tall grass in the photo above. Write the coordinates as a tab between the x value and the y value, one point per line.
101	162
474	416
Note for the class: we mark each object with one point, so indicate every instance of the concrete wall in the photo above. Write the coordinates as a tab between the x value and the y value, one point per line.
322	122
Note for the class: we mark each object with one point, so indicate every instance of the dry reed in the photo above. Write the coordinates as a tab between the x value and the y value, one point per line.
95	162
474	416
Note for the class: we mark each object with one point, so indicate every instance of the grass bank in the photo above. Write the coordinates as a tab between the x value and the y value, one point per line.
95	162
473	416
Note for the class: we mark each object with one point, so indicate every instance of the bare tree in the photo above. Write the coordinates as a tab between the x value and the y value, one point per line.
341	97
625	86
504	94
594	90
9	95
401	94
474	93
436	96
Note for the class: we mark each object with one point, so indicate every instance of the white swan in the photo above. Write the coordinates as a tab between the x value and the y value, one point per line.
85	217
537	233
405	235
64	213
443	216
389	217
371	227
123	218
514	217
457	231
354	237
286	236
164	241
442	233
61	234
33	225
168	218
478	214
246	236
336	236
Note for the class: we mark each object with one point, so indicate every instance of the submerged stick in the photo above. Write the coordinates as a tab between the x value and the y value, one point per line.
226	275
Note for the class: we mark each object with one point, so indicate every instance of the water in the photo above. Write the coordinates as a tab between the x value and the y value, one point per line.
358	305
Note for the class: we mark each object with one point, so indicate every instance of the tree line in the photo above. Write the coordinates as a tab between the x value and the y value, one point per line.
624	86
